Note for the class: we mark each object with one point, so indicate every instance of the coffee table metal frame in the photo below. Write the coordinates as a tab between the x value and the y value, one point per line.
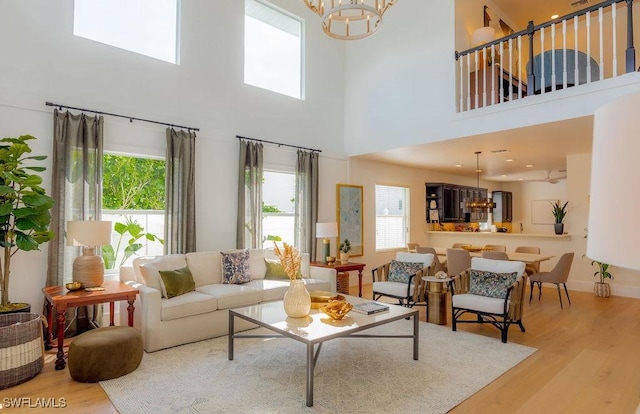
318	328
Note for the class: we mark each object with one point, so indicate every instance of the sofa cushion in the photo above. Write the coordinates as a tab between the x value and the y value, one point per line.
231	295
150	272
177	282
492	284
206	267
189	304
257	267
401	271
271	289
235	267
481	303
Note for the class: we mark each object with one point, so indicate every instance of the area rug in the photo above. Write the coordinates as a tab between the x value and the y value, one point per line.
352	375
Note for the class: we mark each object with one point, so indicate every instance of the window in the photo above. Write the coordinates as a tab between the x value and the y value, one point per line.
133	190
272	49
392	217
148	27
278	207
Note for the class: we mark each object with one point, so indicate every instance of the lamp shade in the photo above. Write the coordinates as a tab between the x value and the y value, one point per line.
88	233
613	205
483	35
326	230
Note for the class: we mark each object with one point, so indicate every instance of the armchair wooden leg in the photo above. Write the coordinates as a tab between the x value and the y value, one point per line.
521	326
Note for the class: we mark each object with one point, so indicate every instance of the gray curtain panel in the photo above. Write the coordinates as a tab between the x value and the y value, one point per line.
249	217
77	189
180	200
306	205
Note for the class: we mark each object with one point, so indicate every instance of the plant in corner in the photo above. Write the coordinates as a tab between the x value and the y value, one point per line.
25	209
559	213
345	248
601	288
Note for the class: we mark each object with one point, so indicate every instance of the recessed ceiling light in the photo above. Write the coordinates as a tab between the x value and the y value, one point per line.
504	175
555	16
530	165
520	179
458	165
509	160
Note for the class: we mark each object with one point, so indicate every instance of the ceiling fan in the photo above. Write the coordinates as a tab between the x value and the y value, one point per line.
553	180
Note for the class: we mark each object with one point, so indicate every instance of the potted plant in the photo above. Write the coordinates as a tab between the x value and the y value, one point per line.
559	213
25	209
345	248
601	288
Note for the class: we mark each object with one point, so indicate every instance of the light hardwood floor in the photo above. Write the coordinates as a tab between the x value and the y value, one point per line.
587	362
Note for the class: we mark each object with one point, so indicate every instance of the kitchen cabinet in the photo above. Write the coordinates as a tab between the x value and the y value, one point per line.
449	202
503	212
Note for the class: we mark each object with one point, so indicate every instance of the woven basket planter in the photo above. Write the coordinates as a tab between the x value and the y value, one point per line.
21	348
602	290
343	283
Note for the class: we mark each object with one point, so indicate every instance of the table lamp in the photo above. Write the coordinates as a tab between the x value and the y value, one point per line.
326	231
88	269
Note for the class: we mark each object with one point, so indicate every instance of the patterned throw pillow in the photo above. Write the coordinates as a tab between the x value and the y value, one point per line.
492	284
235	267
402	271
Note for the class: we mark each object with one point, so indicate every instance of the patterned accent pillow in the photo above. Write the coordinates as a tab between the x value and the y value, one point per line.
235	267
492	284
402	271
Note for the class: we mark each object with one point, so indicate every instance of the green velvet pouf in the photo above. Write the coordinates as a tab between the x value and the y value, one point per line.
105	353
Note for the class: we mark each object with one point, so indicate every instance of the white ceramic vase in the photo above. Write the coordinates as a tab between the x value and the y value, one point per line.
297	302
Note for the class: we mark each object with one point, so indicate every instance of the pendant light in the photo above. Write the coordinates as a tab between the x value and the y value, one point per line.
479	203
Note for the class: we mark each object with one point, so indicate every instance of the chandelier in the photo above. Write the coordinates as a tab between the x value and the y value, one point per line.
478	202
350	19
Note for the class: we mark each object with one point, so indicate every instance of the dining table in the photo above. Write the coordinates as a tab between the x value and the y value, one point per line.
519	257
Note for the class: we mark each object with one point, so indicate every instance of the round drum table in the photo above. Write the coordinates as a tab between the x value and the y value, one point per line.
436	299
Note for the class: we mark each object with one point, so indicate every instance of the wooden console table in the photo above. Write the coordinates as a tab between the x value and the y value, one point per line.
344	267
61	299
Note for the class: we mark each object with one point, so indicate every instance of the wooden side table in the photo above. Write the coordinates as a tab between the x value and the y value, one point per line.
60	298
344	267
436	299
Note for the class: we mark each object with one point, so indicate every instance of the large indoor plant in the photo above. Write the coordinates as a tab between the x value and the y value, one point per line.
559	212
25	209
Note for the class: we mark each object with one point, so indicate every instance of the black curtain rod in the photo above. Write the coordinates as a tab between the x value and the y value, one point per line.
130	118
277	143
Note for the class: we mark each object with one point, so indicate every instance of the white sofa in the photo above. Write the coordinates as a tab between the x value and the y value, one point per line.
203	313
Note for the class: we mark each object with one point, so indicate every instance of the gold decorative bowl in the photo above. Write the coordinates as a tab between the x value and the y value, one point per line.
336	309
73	286
471	248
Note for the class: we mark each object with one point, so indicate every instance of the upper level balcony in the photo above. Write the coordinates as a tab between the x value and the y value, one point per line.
578	49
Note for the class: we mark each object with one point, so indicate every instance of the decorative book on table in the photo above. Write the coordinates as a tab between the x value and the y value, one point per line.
369	307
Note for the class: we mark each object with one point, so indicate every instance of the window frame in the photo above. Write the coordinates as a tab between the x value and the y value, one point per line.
406	216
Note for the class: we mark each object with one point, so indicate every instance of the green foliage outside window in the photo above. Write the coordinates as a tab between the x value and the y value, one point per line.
131	183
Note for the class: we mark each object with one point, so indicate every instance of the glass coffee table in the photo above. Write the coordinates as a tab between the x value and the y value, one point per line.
317	328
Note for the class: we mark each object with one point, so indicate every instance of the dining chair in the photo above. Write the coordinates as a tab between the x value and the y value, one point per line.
411	247
437	264
559	274
494	248
531	267
458	260
495	255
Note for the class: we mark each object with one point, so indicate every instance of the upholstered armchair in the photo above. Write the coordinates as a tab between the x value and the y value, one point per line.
491	290
401	279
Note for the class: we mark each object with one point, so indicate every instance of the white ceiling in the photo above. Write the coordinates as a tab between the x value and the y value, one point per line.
553	142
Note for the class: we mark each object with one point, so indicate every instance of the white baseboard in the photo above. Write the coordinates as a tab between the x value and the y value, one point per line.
616	290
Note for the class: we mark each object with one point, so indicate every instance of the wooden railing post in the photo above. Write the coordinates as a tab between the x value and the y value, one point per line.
531	77
631	50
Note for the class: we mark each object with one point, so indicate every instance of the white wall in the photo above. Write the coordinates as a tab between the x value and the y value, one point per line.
43	61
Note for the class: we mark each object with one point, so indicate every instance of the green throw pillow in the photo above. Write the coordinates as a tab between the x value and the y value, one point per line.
177	282
276	271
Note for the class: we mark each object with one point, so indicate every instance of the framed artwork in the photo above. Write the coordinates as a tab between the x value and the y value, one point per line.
542	211
349	217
